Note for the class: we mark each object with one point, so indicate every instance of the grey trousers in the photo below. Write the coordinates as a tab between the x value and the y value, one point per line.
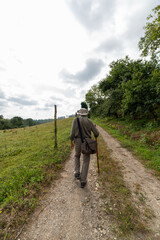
86	161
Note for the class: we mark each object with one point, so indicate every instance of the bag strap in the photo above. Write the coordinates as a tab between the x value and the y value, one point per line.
80	130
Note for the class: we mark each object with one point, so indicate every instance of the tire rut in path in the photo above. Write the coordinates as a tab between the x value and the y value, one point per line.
136	175
69	212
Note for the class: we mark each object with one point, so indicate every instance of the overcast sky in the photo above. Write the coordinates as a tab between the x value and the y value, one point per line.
52	52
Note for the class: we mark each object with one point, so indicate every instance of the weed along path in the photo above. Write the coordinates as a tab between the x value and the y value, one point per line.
69	212
144	186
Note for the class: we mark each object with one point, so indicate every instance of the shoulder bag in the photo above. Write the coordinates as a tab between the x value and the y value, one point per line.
88	145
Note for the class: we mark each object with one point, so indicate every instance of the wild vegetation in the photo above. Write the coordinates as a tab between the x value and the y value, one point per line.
131	90
28	162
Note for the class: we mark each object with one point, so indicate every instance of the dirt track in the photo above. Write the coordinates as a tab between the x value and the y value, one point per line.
137	176
70	213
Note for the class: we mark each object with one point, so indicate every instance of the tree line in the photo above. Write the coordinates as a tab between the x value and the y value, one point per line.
132	87
18	122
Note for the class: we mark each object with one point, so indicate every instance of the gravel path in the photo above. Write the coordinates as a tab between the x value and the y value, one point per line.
69	212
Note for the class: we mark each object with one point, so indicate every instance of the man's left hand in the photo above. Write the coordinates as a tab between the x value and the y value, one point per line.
72	145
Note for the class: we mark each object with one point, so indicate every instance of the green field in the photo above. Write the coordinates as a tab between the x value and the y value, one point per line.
28	162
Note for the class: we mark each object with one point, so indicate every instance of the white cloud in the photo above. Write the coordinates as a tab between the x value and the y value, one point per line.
92	14
22	100
92	69
2	95
41	39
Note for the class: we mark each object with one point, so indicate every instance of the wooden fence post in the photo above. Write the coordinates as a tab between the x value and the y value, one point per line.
55	126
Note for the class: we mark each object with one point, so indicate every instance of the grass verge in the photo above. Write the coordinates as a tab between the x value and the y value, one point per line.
28	162
143	138
119	204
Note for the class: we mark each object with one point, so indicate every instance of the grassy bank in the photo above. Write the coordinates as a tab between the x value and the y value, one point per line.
143	138
28	162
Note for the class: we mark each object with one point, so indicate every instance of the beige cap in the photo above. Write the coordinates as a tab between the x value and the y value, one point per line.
83	112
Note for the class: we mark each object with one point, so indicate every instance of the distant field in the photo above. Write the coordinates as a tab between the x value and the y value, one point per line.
28	161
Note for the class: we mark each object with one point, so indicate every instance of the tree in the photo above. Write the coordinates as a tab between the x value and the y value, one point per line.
29	122
141	97
17	122
5	124
1	117
131	89
111	86
150	43
94	98
84	105
121	70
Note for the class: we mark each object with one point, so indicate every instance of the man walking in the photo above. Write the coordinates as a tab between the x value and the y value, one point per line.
87	127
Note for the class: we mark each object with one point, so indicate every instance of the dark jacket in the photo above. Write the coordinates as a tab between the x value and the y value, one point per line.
87	127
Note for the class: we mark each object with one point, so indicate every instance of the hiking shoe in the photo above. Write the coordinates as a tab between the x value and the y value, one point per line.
77	176
83	184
